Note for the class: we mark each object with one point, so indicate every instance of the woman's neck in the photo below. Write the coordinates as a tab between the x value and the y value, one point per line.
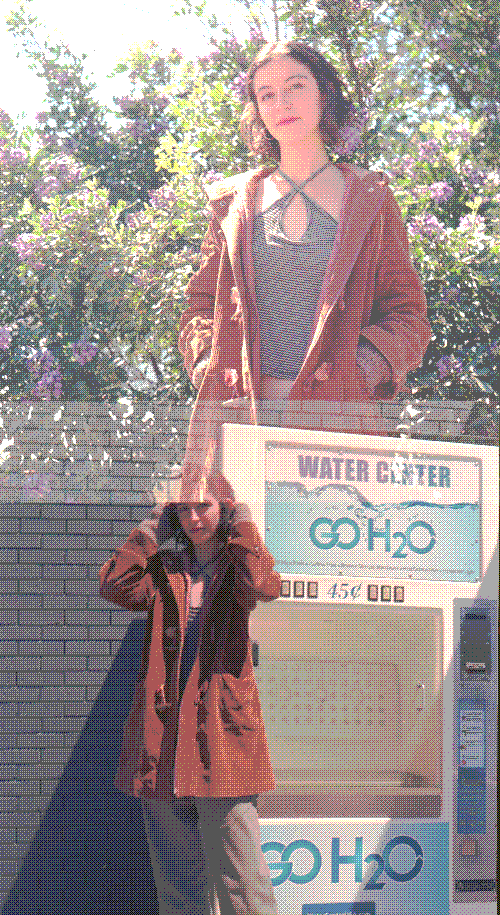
300	162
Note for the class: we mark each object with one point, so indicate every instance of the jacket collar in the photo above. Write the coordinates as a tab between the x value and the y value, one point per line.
233	203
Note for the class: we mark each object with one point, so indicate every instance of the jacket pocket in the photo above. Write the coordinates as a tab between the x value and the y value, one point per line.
239	705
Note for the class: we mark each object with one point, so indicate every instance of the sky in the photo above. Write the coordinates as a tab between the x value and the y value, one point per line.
104	30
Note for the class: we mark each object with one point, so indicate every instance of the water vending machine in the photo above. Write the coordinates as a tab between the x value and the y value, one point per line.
376	668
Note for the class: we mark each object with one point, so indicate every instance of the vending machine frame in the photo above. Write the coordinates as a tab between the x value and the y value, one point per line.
380	860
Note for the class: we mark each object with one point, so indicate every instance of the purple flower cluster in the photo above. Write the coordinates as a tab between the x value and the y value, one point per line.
5	337
12	155
59	171
429	151
428	225
350	137
43	366
239	87
406	165
163	197
27	245
459	134
83	351
448	365
441	191
210	176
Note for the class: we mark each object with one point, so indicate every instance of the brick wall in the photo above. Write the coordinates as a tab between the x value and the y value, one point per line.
68	661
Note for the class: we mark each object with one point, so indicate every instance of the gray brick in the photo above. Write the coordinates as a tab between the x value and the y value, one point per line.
20	602
41	648
51	510
8	678
10	648
19	664
7	835
81	587
50	542
23	541
63	663
109	632
20	820
9	525
8	556
13	509
10	618
19	694
87	678
91	647
64	602
12	724
24	757
10	870
8	586
41	586
22	849
29	556
20	632
99	663
42	617
74	709
64	632
40	678
93	692
13	570
15	788
47	740
30	709
8	772
65	571
95	557
43	526
108	512
85	618
91	526
66	725
57	693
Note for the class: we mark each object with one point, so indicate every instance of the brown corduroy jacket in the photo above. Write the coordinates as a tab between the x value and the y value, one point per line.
214	744
371	290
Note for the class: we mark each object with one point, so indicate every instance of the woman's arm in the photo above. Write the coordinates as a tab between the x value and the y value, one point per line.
123	578
399	328
197	321
255	578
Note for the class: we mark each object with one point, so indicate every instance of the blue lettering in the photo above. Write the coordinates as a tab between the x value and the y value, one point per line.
349	470
356	859
432	475
385	534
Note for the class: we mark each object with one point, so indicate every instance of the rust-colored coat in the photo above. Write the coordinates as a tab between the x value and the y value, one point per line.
216	739
370	289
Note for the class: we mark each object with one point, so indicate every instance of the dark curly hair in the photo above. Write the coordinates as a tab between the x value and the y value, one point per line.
336	109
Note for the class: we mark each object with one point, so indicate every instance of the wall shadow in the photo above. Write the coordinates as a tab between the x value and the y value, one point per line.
90	855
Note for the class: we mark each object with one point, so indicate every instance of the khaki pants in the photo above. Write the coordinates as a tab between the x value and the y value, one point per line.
197	844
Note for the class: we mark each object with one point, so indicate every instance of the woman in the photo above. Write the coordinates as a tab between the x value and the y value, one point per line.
306	290
194	747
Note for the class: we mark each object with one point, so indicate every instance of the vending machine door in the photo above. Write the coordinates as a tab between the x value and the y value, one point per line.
352	704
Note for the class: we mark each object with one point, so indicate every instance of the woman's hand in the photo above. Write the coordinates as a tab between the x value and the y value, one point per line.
376	368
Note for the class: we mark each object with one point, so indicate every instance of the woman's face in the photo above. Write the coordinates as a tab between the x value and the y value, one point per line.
289	100
199	520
